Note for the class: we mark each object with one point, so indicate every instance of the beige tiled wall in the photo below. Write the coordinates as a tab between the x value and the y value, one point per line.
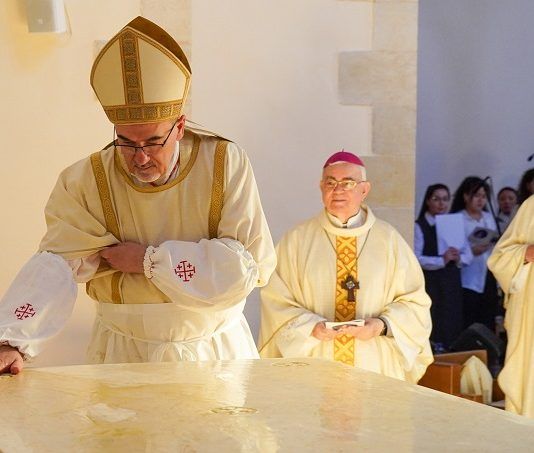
385	78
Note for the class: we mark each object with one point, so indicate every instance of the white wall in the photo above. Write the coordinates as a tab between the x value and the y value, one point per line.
265	75
476	91
50	119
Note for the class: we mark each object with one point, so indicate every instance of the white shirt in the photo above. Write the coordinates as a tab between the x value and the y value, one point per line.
432	263
474	275
355	221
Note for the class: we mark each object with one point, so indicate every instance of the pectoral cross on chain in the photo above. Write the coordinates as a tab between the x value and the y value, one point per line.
350	285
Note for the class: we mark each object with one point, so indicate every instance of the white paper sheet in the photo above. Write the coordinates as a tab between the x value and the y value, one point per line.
450	232
335	325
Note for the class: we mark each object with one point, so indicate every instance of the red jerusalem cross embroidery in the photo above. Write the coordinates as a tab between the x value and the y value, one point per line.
25	311
185	270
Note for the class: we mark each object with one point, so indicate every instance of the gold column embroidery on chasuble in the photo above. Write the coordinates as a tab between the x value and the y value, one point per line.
112	223
346	290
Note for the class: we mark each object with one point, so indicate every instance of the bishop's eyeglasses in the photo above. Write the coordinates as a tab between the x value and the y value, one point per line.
345	184
150	149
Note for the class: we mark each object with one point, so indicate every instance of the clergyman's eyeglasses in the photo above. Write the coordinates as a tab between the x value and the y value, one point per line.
150	149
345	184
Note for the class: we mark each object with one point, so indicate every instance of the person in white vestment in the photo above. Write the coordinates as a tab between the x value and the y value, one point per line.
164	225
345	265
512	264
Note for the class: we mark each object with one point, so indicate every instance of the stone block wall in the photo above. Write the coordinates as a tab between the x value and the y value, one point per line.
385	78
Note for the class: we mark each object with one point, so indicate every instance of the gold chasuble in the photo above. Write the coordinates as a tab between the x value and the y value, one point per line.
516	278
328	273
346	267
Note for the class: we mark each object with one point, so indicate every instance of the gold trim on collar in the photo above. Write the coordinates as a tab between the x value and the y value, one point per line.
184	171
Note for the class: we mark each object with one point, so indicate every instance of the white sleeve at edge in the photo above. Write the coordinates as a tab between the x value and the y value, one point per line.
38	303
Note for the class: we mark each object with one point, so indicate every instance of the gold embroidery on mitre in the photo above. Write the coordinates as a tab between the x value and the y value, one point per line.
346	264
131	71
141	75
147	112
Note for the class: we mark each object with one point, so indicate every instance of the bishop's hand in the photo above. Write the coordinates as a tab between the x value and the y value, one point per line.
10	360
321	332
529	255
373	328
125	257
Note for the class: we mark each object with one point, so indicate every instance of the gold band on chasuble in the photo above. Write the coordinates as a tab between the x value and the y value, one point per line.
346	263
217	188
109	216
216	205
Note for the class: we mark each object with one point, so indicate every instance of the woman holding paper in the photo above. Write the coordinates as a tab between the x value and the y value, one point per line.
442	271
479	286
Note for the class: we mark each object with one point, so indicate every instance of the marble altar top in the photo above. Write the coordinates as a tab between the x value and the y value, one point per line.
246	405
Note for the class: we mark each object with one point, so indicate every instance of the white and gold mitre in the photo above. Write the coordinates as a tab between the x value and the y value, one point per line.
141	75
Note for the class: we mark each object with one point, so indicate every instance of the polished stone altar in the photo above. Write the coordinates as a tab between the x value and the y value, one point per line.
242	406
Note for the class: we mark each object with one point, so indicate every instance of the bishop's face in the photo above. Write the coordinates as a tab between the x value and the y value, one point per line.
343	190
152	162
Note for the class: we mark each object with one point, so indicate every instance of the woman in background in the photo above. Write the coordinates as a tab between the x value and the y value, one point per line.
526	185
442	272
479	286
507	200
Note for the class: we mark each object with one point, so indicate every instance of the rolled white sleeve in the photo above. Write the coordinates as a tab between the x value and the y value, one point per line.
216	272
38	303
84	269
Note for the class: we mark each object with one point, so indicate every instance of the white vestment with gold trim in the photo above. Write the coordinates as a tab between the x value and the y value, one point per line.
302	290
192	307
